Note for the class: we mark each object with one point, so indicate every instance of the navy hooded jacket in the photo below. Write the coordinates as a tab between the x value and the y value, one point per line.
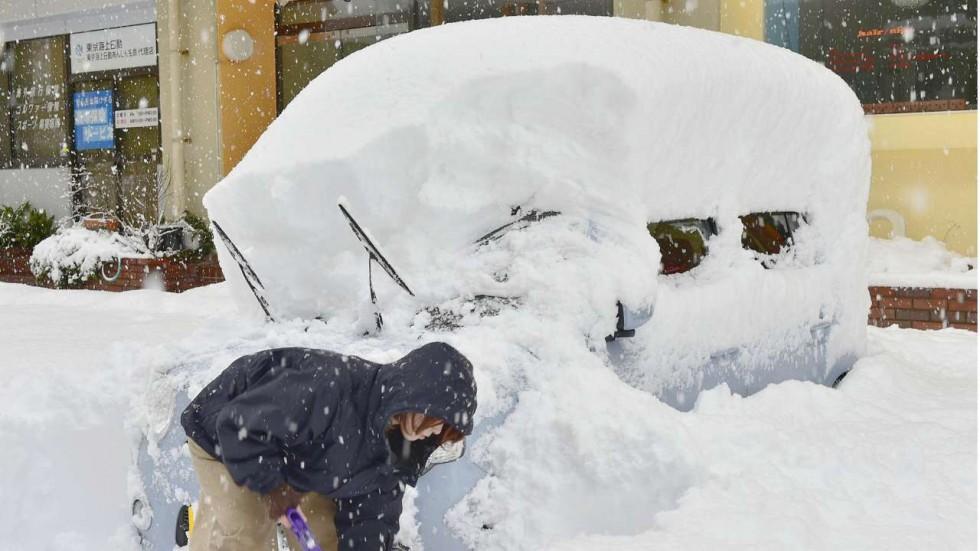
316	420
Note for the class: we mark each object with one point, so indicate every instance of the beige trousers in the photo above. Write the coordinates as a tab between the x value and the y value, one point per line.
230	517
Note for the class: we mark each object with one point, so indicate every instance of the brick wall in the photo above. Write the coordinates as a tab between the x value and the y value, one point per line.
176	276
923	308
14	267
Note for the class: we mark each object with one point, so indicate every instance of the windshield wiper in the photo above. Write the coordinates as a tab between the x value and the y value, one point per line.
524	221
253	281
374	254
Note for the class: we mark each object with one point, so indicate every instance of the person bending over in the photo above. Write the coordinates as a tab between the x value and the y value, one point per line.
336	436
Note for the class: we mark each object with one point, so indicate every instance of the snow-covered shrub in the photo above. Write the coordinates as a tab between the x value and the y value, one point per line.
904	255
904	262
73	255
198	239
24	226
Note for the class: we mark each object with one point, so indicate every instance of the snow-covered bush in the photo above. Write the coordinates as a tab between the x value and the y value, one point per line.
904	255
198	241
905	262
74	255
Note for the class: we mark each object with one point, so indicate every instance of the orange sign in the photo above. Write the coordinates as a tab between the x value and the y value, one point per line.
880	32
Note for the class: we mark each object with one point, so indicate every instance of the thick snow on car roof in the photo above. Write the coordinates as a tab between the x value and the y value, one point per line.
434	135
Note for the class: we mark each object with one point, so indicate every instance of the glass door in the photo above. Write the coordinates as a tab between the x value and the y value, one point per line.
138	150
117	146
95	155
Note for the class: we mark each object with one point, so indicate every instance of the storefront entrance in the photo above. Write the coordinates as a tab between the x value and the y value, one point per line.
114	98
117	146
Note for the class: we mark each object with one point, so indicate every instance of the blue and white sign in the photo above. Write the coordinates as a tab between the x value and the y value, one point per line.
94	120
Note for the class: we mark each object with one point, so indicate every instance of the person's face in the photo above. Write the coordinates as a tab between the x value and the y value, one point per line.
416	426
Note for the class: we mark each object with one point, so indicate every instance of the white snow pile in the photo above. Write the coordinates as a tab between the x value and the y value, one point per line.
71	362
904	262
887	461
73	254
436	138
435	135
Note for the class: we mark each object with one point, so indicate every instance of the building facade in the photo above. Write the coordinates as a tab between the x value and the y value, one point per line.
136	108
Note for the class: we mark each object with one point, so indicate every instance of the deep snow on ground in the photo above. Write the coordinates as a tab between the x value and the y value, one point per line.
70	361
888	461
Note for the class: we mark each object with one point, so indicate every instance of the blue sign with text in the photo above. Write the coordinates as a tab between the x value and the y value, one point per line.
94	120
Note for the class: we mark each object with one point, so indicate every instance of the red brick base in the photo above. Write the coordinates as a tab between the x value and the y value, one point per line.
14	266
175	275
923	308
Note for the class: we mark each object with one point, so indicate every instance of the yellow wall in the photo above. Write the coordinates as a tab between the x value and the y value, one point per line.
946	129
743	18
247	89
704	14
924	166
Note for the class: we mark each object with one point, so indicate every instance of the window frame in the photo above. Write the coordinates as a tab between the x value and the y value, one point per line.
7	143
874	54
707	227
788	243
330	30
14	160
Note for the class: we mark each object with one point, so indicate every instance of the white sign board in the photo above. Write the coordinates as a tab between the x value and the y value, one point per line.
136	118
110	49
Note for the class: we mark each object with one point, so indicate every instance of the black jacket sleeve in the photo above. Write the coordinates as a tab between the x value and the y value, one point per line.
251	452
255	430
369	522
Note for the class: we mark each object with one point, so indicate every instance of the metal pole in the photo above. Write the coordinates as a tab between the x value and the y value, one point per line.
177	206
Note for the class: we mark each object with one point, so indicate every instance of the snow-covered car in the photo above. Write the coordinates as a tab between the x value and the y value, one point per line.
606	216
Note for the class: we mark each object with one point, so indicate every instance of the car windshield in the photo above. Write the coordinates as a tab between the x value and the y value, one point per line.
683	243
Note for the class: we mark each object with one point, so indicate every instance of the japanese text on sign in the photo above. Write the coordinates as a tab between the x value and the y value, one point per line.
93	120
117	48
137	118
38	107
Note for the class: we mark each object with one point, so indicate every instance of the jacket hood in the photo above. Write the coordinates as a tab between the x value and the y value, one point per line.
435	379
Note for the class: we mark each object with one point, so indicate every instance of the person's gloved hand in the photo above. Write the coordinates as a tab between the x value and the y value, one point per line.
282	498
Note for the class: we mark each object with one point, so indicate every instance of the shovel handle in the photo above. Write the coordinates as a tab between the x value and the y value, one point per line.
301	530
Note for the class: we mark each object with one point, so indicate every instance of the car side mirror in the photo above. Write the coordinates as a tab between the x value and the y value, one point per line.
628	320
446	453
